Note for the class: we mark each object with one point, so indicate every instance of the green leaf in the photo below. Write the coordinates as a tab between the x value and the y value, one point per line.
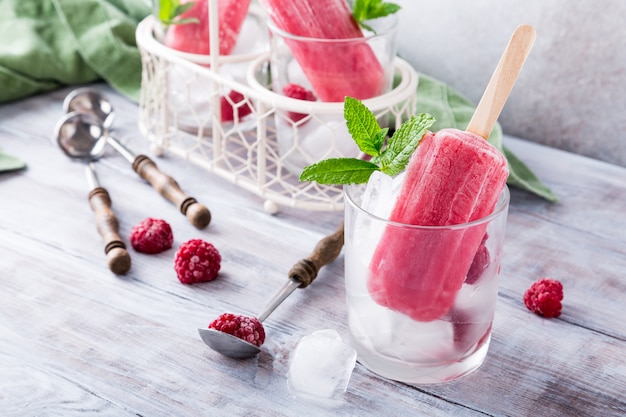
166	9
363	10
363	127
366	132
169	12
403	143
522	177
182	8
339	171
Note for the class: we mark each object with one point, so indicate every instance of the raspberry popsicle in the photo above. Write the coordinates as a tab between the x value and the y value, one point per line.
454	177
334	71
194	37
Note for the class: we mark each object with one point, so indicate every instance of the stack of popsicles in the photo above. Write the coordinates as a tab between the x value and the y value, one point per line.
334	70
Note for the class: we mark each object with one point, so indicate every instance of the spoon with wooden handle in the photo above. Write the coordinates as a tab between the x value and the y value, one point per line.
93	132
90	101
71	144
301	275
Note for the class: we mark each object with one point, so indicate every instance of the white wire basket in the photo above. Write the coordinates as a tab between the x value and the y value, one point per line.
180	111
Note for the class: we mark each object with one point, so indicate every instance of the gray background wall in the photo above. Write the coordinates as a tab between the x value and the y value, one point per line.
572	91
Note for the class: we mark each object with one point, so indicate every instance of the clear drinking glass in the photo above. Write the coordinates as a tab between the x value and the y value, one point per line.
190	93
331	69
454	339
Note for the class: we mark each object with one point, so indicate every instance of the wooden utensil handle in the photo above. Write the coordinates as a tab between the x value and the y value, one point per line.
326	251
198	214
117	256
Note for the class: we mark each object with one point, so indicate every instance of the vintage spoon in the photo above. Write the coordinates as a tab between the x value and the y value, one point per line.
94	132
300	276
72	144
88	100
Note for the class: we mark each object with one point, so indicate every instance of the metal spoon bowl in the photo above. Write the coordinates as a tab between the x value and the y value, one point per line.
300	276
88	100
234	347
81	136
228	345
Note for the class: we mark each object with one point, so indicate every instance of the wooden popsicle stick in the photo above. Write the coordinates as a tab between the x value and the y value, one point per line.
502	81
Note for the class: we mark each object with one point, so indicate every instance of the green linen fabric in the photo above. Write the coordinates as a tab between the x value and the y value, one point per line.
451	109
50	43
47	44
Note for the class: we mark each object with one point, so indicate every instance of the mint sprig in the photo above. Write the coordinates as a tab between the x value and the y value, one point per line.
371	139
363	10
169	11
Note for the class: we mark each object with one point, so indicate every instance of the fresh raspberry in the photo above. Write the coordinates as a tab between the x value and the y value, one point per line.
544	297
197	261
299	93
151	236
230	104
247	328
479	264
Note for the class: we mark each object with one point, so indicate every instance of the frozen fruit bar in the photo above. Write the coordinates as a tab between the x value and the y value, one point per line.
334	71
194	37
454	177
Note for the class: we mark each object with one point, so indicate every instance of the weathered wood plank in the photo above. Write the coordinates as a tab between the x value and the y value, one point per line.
75	339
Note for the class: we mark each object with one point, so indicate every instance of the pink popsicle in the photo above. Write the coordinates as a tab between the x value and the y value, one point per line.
453	177
194	37
334	71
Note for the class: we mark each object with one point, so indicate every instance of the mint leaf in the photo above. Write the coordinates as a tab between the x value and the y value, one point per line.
370	138
403	143
170	10
339	171
363	126
363	10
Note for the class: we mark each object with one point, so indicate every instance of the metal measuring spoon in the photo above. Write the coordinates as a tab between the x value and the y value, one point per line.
96	131
71	138
300	276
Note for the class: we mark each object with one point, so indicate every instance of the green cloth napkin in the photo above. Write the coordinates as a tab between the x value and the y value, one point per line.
50	43
453	110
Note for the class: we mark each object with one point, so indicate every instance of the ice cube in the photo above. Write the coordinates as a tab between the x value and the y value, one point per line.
313	139
421	342
329	138
320	366
368	230
378	196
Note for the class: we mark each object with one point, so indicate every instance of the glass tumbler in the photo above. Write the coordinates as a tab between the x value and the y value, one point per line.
428	318
329	70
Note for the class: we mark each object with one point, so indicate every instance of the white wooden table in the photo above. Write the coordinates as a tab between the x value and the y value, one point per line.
76	340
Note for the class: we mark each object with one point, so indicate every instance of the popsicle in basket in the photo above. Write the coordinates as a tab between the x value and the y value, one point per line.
454	177
194	37
334	71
